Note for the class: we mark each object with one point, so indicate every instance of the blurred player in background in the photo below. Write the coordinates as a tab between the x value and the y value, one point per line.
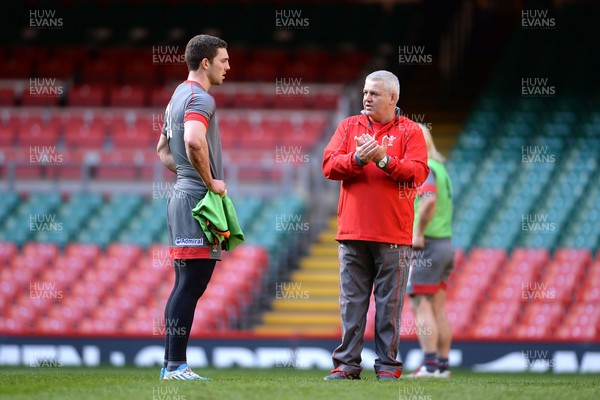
190	145
380	157
432	263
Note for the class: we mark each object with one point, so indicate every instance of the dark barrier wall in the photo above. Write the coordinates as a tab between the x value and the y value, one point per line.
47	352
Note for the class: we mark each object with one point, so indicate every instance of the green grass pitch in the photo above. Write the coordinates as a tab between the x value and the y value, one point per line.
282	384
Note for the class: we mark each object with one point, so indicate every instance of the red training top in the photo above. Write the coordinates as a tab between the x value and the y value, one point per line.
377	204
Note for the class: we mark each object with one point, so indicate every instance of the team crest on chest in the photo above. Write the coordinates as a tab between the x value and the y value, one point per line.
391	139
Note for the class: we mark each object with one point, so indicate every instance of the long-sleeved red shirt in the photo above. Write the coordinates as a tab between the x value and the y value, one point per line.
377	204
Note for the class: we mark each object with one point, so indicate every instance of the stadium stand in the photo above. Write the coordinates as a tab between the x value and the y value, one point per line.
101	122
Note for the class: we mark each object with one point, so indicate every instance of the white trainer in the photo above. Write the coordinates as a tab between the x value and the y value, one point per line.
184	373
422	372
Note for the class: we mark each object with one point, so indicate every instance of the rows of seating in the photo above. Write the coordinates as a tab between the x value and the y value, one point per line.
525	168
288	93
159	64
94	253
548	179
528	294
493	293
141	129
108	145
118	291
92	218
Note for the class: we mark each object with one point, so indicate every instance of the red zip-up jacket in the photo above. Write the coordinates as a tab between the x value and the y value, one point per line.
377	204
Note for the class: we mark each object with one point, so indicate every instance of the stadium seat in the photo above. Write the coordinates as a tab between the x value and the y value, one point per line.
538	321
9	132
59	68
127	96
36	134
138	71
160	96
80	134
496	318
16	68
8	250
86	96
102	70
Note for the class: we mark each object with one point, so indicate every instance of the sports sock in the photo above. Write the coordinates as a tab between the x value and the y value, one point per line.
173	365
443	363
431	362
165	363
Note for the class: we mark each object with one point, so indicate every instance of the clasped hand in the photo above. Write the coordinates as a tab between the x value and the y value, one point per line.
368	150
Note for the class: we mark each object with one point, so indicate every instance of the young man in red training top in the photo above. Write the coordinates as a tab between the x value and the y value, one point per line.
380	157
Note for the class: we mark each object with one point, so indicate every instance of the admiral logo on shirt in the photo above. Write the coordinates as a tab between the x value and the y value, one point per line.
179	241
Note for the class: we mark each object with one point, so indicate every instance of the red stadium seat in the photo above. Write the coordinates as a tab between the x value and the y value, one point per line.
460	316
8	251
573	256
51	325
89	290
115	265
67	314
160	96
72	265
76	55
19	277
326	99
8	133
46	251
260	71
495	319
127	96
173	73
581	322
132	135
538	321
248	98
102	70
39	135
487	254
131	291
90	326
14	325
43	92
35	55
88	252
86	96
139	71
122	250
59	279
307	70
213	308
80	134
138	327
15	68
59	68
110	165
31	262
7	97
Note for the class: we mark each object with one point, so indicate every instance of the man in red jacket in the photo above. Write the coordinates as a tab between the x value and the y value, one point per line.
380	157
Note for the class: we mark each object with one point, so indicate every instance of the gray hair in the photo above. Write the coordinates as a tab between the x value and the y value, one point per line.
390	81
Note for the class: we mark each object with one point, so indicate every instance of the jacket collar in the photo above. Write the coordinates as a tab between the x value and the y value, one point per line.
364	119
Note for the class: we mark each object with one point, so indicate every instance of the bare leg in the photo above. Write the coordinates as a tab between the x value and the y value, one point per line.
427	329
444	330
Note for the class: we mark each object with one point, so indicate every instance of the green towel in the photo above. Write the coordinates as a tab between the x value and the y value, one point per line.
218	220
